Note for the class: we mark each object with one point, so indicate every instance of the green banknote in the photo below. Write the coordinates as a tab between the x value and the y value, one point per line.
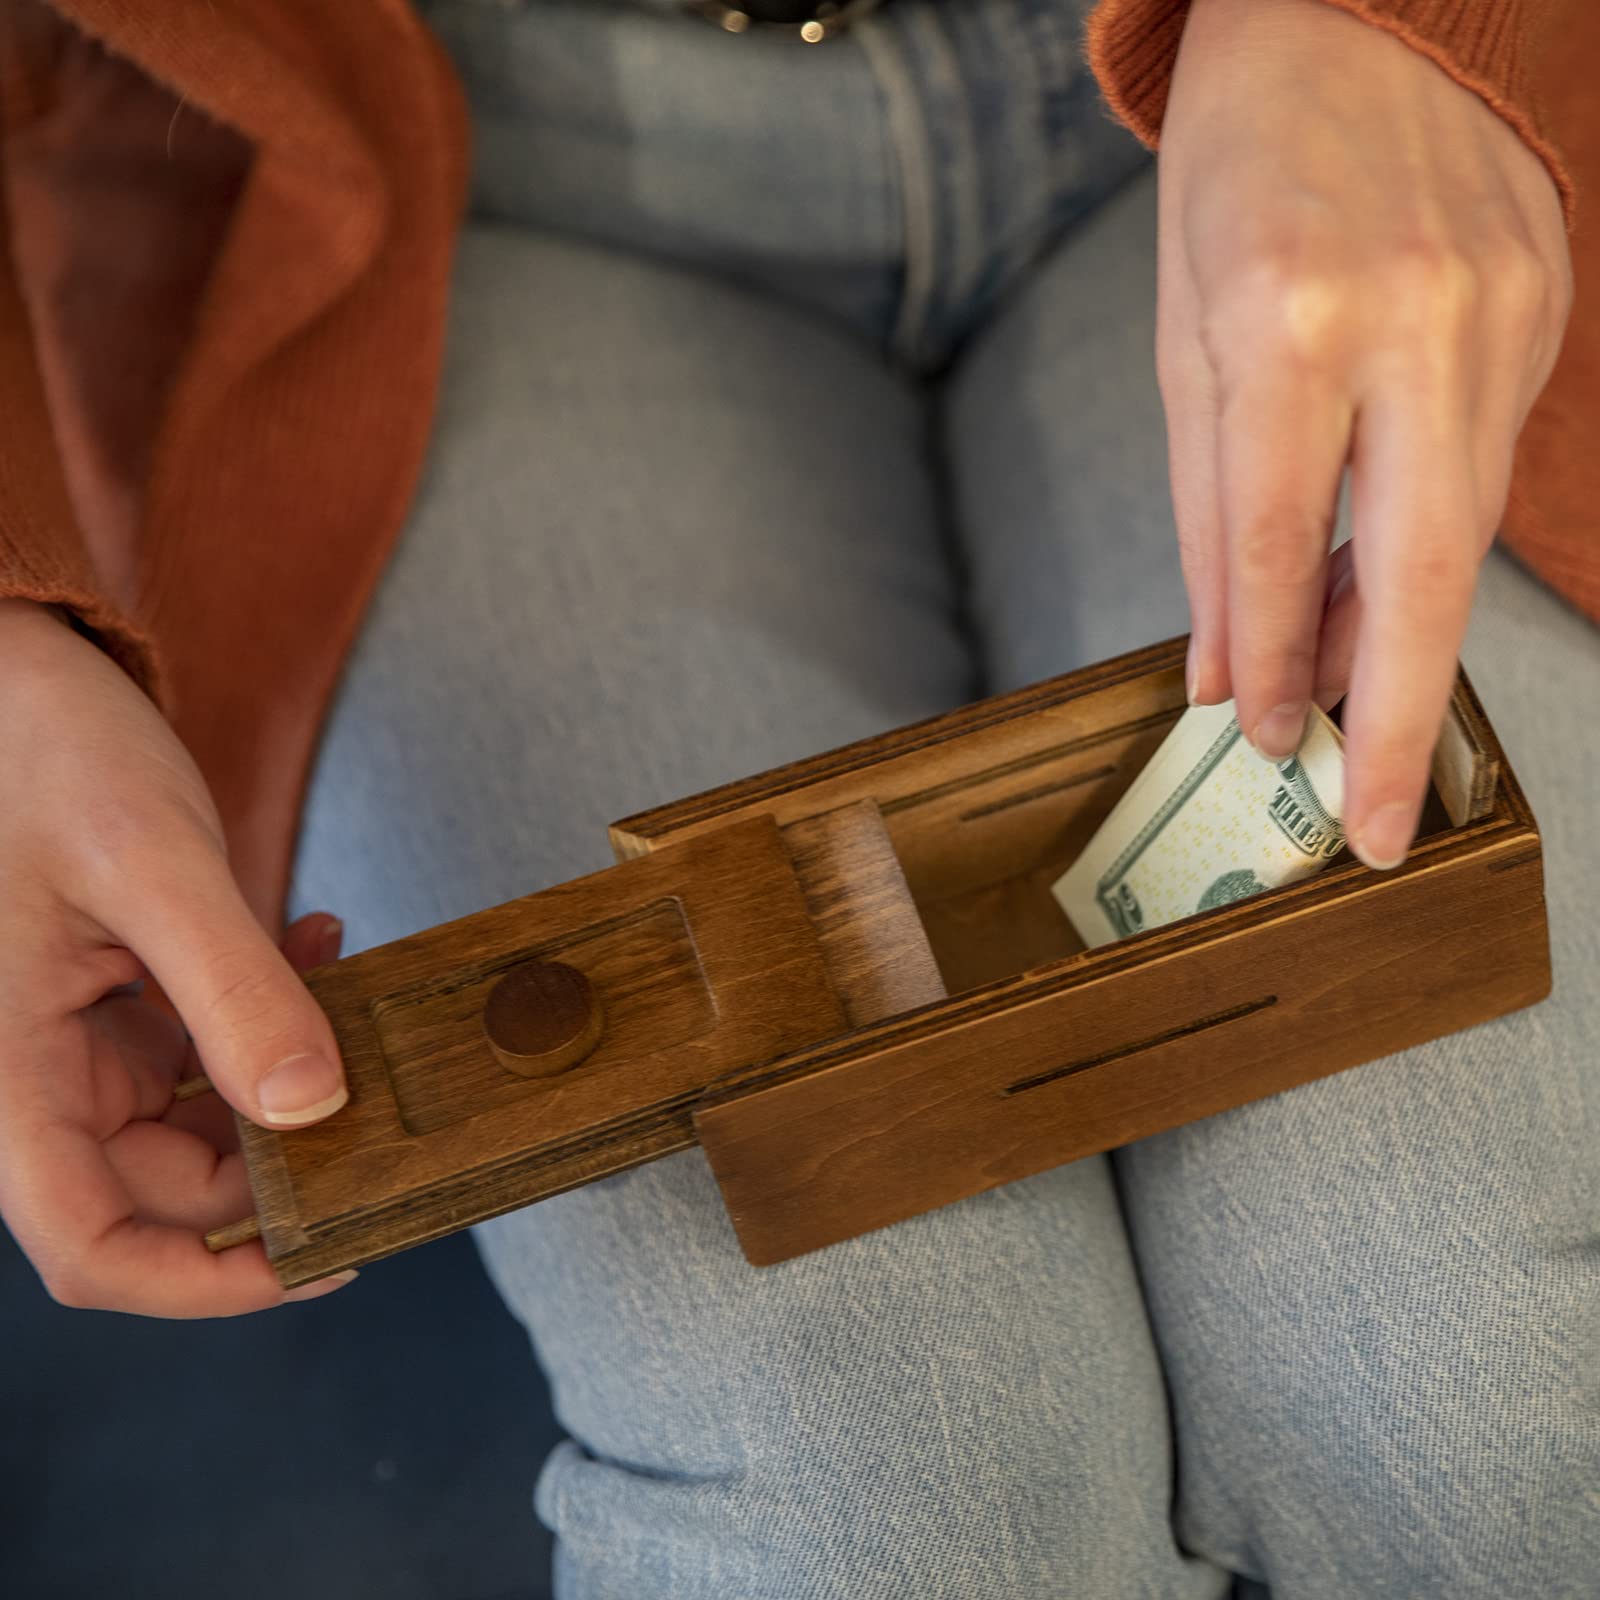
1207	822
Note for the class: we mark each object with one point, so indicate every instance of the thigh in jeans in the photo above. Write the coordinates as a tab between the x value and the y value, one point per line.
672	534
1377	1297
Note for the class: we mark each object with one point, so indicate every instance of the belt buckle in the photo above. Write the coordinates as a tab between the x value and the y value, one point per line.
828	19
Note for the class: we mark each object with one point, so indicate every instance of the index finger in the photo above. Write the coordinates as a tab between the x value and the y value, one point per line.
1282	446
77	1220
1417	548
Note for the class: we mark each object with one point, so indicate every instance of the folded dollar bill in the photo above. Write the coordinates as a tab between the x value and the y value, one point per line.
1207	822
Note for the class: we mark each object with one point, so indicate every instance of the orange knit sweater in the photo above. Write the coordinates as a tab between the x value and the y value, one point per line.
224	258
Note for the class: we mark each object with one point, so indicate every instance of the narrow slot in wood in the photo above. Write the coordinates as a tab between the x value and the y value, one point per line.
1154	1042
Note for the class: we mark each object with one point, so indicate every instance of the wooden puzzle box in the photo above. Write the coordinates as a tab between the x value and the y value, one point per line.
847	981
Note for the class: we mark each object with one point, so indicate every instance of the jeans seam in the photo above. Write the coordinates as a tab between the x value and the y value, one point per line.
908	140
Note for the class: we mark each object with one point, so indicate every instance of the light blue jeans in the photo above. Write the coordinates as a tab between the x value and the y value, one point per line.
794	394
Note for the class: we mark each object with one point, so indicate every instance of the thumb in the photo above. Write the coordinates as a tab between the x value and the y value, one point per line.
262	1040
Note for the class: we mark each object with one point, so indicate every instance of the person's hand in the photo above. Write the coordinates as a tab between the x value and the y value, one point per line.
1362	264
111	868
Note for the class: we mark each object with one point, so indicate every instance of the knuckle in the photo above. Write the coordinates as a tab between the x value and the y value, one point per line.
1518	278
1436	570
1308	317
247	999
1292	294
1289	660
1278	554
1433	278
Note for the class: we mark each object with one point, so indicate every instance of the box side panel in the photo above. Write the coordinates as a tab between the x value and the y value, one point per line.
874	1137
915	760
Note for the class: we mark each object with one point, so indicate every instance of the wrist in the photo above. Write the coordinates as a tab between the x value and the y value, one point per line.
16	605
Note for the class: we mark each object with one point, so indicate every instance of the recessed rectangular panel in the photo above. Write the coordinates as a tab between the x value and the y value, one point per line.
765	946
645	975
705	960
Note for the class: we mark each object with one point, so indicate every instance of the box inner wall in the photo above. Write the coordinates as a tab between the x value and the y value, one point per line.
980	852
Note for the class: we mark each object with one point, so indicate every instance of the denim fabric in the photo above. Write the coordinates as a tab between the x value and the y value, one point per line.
899	176
686	516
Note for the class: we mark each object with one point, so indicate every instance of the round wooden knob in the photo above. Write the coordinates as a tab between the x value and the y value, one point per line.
542	1018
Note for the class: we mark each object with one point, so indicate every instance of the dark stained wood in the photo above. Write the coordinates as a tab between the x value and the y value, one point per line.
1000	929
848	979
648	980
704	959
872	938
542	1018
1094	1053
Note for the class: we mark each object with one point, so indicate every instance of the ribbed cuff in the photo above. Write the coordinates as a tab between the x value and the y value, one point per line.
89	615
1133	47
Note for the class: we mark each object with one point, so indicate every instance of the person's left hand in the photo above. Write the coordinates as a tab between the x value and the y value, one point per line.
1360	264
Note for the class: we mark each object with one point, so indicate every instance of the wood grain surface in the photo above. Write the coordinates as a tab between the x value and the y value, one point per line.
847	978
1047	1053
1095	1053
856	894
541	1018
715	938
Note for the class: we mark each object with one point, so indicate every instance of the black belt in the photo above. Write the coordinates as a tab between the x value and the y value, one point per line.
811	21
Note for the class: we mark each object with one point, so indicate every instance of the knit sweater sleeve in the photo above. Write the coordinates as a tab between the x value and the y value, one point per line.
1485	46
42	551
117	197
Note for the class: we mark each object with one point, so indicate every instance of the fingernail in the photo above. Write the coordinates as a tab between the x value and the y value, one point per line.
320	1287
1385	836
1190	679
332	942
1278	734
300	1089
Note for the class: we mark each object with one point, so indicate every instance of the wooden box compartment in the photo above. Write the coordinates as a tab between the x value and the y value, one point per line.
985	808
847	979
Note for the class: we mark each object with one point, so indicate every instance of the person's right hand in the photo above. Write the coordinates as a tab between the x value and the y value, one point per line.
1363	268
112	868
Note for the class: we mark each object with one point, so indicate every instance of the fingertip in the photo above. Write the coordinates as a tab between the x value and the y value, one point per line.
319	1287
1277	735
1383	838
300	1089
1204	683
313	940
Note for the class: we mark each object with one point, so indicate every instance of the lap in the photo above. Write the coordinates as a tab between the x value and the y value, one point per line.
1375	1293
669	534
965	1405
672	534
